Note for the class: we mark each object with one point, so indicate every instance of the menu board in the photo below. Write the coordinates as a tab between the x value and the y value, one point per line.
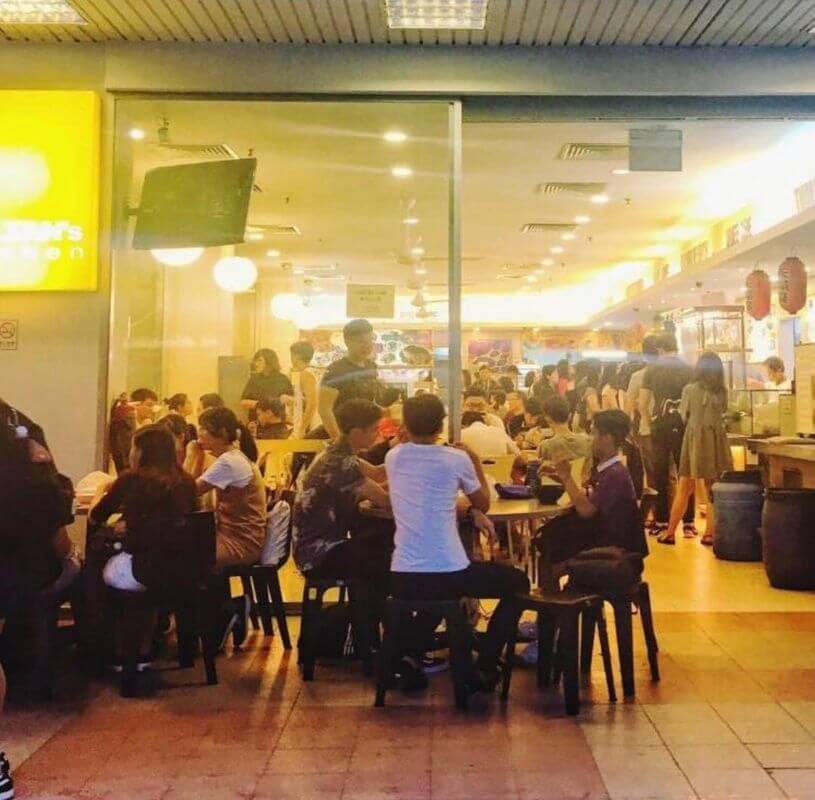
805	388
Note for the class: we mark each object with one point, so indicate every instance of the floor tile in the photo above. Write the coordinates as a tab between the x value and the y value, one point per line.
407	784
700	757
803	711
762	722
735	784
308	761
300	787
564	783
798	784
636	773
781	756
455	785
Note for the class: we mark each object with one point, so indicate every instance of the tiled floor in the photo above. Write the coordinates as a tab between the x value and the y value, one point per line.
732	719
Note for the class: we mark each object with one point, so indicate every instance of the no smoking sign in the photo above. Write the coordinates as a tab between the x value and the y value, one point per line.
8	334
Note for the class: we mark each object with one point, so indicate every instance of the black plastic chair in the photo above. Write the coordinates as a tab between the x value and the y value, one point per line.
261	584
559	617
458	636
640	596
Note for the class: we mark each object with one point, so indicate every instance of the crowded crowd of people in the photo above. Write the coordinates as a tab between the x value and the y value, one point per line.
652	423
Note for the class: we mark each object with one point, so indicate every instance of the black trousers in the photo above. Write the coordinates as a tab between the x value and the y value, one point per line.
667	445
481	579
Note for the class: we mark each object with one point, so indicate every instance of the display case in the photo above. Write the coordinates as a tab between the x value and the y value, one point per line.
762	412
716	328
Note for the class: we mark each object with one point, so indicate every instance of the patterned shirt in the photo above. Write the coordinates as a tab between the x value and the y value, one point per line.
324	508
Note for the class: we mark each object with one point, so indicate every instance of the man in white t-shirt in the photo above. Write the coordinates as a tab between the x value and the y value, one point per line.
485	440
429	561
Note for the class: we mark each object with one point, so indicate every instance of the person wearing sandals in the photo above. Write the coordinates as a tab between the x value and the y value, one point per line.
705	452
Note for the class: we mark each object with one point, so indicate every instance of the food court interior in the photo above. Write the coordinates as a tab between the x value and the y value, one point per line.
577	238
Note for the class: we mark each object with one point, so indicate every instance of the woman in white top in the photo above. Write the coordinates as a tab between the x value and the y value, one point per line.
483	439
240	507
305	388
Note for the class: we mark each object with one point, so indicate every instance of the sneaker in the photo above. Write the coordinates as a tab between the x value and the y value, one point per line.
411	676
6	782
431	664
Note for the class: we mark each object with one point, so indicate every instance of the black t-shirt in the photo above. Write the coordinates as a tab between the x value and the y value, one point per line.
666	379
262	385
352	381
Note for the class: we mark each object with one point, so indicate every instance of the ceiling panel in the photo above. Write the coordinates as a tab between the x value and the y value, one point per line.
667	23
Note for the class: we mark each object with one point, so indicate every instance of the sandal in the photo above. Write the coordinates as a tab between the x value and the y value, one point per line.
706	540
657	528
666	538
689	530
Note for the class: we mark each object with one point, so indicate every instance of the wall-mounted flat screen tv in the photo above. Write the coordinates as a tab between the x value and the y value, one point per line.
195	205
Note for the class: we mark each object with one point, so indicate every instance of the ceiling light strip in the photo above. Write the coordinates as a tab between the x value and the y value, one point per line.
436	14
39	12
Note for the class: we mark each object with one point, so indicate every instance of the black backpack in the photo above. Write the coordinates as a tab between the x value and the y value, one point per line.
668	420
606	570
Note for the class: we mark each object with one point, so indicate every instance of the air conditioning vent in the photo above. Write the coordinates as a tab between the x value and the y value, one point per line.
581	189
548	227
219	151
583	151
274	230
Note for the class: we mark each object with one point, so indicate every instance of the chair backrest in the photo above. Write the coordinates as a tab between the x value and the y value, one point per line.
277	545
196	543
499	467
273	453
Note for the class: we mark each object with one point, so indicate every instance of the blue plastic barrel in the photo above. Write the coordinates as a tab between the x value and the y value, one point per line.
737	507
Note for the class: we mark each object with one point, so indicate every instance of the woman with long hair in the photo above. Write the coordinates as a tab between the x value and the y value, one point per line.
240	506
609	386
152	496
265	380
588	392
705	451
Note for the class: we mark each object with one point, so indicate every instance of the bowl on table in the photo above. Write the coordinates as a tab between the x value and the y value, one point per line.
548	491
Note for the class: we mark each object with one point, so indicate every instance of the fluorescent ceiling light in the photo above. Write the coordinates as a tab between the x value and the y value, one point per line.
599	199
395	137
410	221
421	271
437	14
582	219
547	262
273	253
254	236
619	171
39	12
417	251
136	134
556	249
568	237
401	172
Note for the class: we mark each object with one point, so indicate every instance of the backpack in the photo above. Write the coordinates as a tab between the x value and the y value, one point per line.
668	420
336	638
606	570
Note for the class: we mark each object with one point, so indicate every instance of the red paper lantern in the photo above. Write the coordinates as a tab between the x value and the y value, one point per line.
792	285
757	301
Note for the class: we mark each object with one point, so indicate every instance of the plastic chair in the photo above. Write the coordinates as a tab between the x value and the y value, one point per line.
559	617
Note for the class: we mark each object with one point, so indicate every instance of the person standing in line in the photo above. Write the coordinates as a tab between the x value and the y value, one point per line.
352	377
265	380
563	377
705	451
641	424
588	393
659	398
609	389
546	385
305	388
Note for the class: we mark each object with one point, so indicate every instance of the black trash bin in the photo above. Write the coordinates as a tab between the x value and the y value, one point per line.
737	507
788	534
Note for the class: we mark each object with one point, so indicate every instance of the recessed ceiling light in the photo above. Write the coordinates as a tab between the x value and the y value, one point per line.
410	221
273	253
401	172
395	137
39	12
557	249
136	134
547	262
582	219
568	237
254	236
619	171
421	271
417	251
437	14
599	199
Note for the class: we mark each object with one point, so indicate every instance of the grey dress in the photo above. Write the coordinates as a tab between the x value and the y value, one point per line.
705	449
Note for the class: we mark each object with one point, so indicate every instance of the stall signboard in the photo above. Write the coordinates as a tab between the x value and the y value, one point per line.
8	334
370	301
49	190
805	388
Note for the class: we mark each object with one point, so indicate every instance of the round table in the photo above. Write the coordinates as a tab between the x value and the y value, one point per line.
523	510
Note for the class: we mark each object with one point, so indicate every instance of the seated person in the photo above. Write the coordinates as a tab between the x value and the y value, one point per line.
605	512
536	427
240	496
153	498
326	513
564	444
270	421
485	440
390	420
514	418
475	400
209	400
498	403
429	561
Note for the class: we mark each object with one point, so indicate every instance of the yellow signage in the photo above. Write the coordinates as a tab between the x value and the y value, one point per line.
49	190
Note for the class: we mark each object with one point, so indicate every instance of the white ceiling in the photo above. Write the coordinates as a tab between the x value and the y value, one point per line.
325	168
668	23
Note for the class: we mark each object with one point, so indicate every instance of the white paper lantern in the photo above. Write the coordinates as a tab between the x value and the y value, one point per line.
177	256
235	274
